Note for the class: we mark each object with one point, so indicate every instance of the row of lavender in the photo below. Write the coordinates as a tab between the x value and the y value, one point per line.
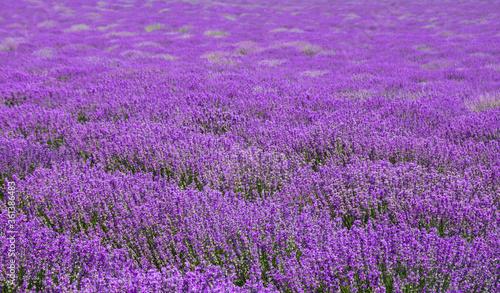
251	146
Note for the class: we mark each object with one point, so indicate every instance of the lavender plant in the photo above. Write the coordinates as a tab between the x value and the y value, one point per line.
249	146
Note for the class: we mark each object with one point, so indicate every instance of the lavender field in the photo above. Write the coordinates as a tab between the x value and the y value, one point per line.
249	146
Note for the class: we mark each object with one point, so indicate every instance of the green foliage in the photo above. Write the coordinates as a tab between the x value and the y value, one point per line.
64	77
56	142
14	100
3	187
82	118
187	178
154	27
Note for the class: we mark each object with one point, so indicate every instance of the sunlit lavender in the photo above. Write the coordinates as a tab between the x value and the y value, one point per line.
249	146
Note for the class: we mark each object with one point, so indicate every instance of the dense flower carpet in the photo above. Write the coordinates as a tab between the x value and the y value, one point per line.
249	146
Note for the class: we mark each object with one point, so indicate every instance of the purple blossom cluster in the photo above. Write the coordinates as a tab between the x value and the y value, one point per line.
250	146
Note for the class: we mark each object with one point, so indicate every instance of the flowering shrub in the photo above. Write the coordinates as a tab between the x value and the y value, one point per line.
249	146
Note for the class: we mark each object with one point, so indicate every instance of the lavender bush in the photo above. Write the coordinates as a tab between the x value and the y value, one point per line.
250	146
